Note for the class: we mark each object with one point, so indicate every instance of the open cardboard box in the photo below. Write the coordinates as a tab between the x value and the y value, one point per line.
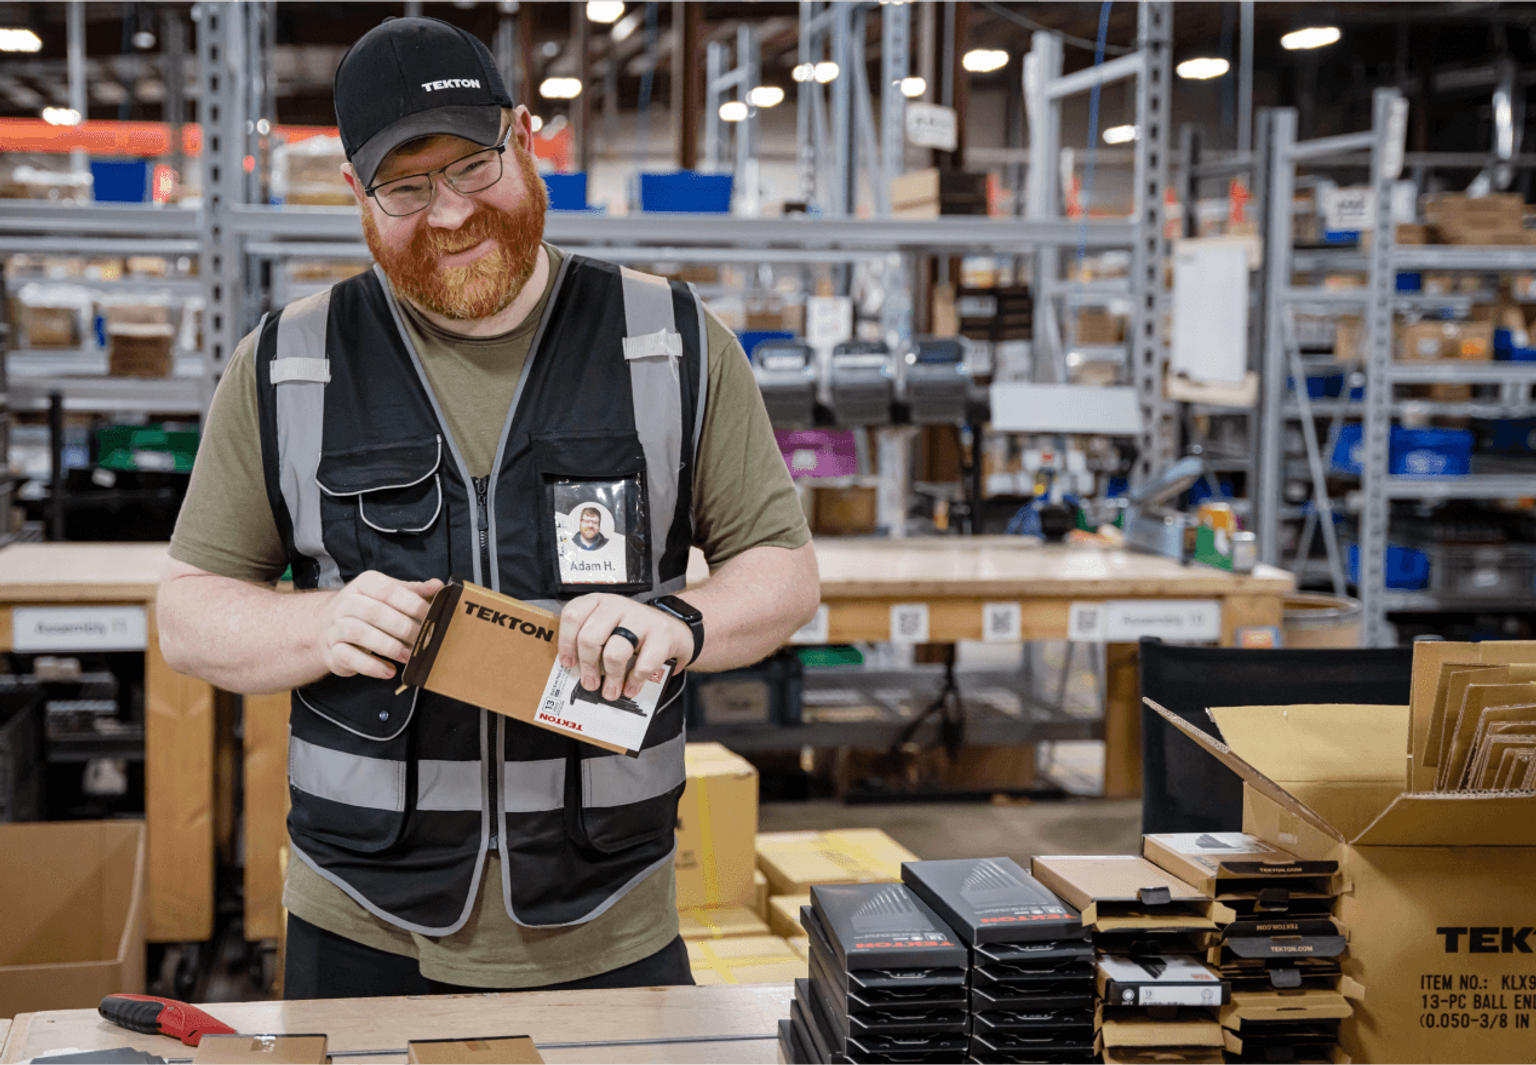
72	900
1438	888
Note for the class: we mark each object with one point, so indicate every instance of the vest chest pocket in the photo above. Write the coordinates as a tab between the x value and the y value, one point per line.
383	506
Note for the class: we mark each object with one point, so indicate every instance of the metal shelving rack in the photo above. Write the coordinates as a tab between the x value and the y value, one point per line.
1381	148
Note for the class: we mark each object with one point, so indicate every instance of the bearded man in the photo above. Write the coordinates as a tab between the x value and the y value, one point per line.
415	423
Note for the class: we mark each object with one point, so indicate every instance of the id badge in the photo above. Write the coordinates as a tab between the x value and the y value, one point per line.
599	533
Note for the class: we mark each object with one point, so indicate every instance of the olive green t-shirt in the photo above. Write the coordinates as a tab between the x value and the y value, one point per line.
743	498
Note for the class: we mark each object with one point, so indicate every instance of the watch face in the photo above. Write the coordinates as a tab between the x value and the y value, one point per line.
689	614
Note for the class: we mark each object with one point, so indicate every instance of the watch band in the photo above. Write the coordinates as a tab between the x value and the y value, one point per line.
689	615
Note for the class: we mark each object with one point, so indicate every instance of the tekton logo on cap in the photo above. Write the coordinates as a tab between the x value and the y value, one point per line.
415	77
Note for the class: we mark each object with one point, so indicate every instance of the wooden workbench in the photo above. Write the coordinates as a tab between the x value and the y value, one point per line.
654	1024
956	577
178	719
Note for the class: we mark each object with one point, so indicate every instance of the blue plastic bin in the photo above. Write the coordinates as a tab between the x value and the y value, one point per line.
567	192
1348	449
120	182
1512	436
1407	567
686	192
751	340
1430	452
1321	386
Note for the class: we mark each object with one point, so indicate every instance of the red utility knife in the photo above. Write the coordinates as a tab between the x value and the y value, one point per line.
161	1016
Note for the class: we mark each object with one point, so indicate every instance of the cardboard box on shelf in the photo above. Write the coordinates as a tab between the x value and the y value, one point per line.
507	1050
1432	341
140	350
844	511
50	327
720	922
744	960
930	193
73	931
716	829
282	1049
793	861
1437	897
784	914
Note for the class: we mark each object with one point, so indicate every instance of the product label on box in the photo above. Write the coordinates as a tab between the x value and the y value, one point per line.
78	628
1179	996
566	706
1128	620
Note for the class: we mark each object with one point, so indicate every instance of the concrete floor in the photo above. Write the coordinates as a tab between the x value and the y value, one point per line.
1017	830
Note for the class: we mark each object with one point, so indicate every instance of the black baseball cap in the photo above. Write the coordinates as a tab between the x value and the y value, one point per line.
415	77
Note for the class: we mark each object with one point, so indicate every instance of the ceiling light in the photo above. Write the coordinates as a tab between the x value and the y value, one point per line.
733	111
804	72
913	87
984	60
13	40
766	96
535	122
263	127
826	71
1311	37
61	116
627	25
605	10
1121	134
560	88
1202	69
143	40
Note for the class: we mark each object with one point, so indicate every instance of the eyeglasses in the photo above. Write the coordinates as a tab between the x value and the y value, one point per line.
410	195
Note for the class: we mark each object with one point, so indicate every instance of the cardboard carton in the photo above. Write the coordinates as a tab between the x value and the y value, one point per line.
793	861
759	888
509	1049
784	914
140	349
720	922
73	926
278	1049
1245	873
1437	895
744	960
490	650
1127	897
716	828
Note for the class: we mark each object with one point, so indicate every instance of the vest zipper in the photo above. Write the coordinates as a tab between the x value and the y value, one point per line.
482	519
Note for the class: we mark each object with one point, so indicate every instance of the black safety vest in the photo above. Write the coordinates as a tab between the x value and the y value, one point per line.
398	798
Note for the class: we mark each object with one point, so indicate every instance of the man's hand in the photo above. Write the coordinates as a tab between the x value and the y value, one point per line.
372	620
587	641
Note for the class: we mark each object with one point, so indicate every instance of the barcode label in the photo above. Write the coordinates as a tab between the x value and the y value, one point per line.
1001	622
909	623
1085	622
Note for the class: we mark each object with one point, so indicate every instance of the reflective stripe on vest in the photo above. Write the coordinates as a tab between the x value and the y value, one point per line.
658	403
618	781
301	425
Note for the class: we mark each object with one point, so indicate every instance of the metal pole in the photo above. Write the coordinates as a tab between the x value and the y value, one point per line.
75	60
581	113
845	187
804	102
1245	77
1269	495
895	47
1149	349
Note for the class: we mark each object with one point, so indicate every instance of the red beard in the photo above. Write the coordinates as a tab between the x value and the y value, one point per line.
489	284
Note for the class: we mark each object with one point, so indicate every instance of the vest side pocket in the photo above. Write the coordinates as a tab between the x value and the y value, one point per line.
351	770
627	802
387	501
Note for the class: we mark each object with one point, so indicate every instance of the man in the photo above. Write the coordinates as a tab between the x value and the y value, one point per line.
591	532
418	422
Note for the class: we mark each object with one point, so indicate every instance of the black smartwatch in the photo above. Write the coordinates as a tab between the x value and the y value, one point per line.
689	615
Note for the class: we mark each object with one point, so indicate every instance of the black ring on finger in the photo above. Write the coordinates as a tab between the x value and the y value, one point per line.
620	630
